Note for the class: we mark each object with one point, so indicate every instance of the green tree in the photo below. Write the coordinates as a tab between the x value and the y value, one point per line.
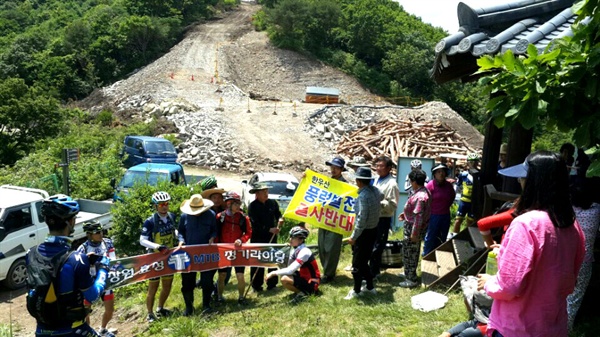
26	115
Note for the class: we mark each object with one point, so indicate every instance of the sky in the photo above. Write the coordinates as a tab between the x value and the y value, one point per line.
441	13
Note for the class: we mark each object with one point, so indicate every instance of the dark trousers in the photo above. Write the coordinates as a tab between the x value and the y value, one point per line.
410	253
466	329
437	231
258	278
361	253
188	284
383	230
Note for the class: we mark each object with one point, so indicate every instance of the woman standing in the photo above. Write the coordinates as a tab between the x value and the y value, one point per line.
539	258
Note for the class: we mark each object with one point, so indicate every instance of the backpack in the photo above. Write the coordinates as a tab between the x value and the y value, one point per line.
43	302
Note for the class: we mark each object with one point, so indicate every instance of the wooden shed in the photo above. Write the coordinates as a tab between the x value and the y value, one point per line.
322	95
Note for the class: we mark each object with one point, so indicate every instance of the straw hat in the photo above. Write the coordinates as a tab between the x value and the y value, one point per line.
195	205
206	194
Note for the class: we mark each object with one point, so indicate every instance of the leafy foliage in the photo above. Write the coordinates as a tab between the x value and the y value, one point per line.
558	87
130	214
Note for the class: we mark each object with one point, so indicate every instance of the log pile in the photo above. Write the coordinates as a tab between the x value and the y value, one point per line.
402	138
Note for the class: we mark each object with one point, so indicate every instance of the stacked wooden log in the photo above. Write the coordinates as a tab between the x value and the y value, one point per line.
403	138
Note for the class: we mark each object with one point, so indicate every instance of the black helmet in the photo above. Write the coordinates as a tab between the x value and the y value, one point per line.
299	232
60	206
92	227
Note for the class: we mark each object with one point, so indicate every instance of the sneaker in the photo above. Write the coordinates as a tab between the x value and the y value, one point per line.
352	294
151	318
364	289
163	312
300	297
220	301
106	333
408	284
242	301
348	268
450	236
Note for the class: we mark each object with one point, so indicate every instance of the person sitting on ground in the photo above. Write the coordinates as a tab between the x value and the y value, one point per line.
159	232
96	247
233	227
302	275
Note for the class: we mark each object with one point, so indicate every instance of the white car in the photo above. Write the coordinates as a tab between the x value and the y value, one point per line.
283	186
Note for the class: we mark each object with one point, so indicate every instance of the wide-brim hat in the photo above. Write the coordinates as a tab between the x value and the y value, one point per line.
258	186
515	171
440	166
504	149
195	205
206	194
363	173
358	161
337	161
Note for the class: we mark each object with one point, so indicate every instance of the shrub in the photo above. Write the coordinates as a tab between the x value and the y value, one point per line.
130	214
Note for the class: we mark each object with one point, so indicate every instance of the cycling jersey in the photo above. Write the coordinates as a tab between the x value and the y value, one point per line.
104	248
465	181
302	263
74	284
158	231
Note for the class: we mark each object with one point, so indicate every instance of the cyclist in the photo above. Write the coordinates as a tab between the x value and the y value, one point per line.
465	183
74	280
302	273
95	247
159	232
415	164
233	227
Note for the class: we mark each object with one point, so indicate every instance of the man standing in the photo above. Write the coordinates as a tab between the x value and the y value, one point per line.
465	183
215	195
415	216
367	210
330	243
197	226
387	185
266	218
158	234
442	197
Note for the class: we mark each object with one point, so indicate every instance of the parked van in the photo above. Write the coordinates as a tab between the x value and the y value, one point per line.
22	226
144	149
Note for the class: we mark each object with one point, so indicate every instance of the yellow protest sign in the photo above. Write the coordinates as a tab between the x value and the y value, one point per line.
324	202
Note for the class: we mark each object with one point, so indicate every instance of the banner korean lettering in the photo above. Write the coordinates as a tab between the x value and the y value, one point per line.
324	202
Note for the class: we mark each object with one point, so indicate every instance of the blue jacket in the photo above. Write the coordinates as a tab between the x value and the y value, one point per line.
198	229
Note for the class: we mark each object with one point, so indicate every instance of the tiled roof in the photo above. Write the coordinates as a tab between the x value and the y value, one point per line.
496	29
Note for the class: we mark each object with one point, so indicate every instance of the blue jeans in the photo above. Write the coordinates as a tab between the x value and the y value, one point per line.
466	329
437	231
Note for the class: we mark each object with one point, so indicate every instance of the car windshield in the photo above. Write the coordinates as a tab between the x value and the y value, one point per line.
151	178
280	187
160	148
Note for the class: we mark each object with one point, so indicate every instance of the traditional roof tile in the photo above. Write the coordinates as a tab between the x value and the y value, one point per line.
496	29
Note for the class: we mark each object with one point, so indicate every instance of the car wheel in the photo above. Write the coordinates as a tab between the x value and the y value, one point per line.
17	275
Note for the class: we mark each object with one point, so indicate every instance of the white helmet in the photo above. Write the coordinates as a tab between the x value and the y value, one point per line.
160	197
415	163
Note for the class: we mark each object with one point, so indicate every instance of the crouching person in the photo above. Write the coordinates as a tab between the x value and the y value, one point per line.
302	274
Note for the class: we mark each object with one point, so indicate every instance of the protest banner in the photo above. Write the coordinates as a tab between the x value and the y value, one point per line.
324	202
197	258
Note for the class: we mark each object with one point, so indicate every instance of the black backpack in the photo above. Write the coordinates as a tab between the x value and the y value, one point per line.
43	301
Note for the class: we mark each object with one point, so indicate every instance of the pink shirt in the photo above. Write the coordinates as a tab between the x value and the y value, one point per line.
442	197
537	269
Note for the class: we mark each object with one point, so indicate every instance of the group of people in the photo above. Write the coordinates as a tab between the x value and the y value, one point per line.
538	262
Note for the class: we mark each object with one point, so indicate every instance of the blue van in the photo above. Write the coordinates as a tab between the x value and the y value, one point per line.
144	149
151	174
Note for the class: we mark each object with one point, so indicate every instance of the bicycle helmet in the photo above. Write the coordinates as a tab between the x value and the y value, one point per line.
92	227
416	163
61	206
473	157
299	232
232	196
208	183
159	197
